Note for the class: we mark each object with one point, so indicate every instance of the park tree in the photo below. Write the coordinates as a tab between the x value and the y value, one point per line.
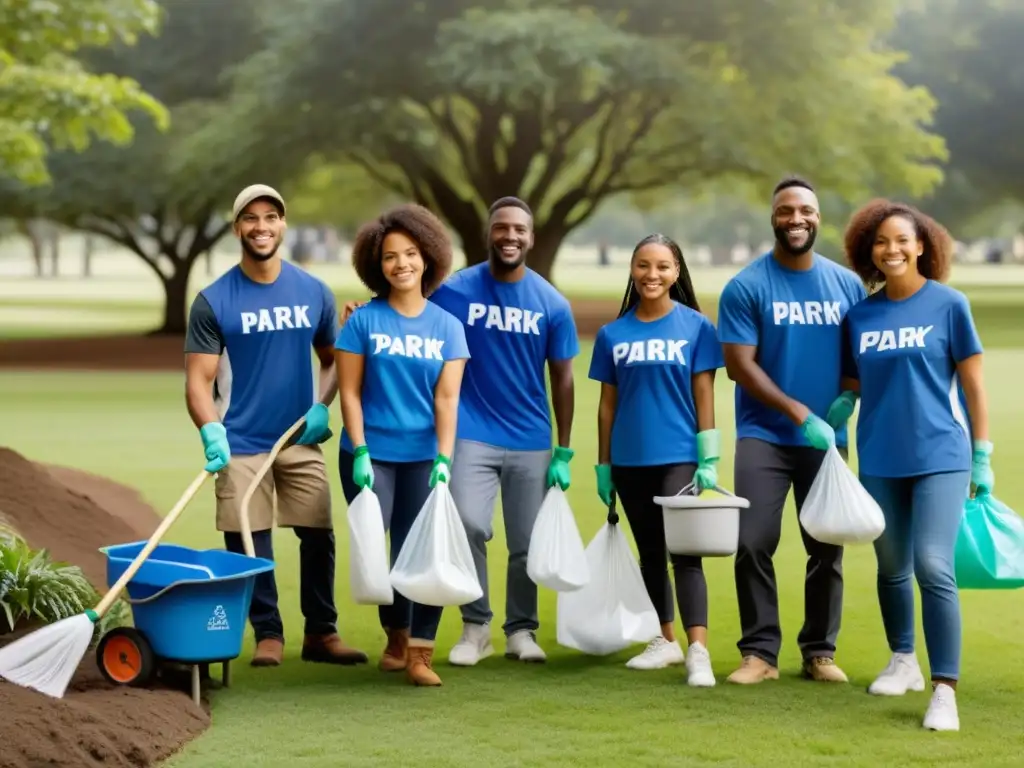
51	99
568	103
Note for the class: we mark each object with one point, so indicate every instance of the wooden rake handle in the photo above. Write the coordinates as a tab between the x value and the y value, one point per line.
158	534
257	479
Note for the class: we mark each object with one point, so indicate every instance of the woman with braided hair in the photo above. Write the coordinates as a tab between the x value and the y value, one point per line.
656	434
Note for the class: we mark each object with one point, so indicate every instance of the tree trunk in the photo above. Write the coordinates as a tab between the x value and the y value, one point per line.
176	300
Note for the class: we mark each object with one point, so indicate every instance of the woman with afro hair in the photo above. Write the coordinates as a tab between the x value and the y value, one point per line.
908	348
400	365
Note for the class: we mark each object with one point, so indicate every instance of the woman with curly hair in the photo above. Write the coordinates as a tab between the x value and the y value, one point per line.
400	364
907	349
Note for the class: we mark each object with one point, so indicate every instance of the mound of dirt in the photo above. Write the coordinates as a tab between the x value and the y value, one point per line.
71	520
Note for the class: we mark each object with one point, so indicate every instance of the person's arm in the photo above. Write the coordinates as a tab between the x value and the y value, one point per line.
323	345
704	399
563	398
605	419
350	368
967	353
204	343
446	404
742	367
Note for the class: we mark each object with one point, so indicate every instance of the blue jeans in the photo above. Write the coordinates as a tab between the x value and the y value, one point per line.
922	521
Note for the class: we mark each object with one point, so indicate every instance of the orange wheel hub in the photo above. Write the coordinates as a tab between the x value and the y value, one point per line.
122	659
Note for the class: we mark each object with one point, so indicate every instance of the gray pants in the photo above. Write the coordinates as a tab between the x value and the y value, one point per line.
763	474
478	470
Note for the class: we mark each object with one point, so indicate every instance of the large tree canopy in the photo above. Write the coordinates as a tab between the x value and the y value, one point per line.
49	98
565	104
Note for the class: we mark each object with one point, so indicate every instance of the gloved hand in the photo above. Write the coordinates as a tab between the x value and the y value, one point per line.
605	486
362	468
215	446
818	433
841	409
558	469
982	477
316	431
706	476
441	471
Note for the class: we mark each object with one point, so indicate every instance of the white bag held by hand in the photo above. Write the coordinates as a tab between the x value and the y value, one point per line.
368	566
613	610
556	558
435	566
838	510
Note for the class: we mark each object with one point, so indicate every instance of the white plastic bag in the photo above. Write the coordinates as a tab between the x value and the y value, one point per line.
838	510
556	558
613	610
435	566
368	566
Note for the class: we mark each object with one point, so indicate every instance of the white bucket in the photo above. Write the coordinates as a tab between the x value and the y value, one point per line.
702	527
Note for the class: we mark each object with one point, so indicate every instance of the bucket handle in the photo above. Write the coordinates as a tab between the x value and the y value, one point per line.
692	490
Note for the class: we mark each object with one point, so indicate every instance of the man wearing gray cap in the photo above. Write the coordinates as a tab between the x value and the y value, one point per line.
249	377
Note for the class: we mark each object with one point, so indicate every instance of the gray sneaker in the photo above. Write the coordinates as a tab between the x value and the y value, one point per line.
474	645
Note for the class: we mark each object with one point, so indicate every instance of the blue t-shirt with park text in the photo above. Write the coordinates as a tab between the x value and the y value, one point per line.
794	318
652	365
512	330
403	361
904	354
264	334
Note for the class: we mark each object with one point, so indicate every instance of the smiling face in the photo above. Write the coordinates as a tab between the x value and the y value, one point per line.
260	228
896	248
795	220
511	234
402	262
654	270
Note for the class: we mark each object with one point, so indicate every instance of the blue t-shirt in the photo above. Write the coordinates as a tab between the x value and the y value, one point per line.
794	318
512	330
403	360
264	334
652	365
905	353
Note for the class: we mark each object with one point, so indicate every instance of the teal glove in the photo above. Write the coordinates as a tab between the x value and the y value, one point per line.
215	446
841	410
982	477
362	468
818	433
605	486
441	472
316	431
706	476
558	469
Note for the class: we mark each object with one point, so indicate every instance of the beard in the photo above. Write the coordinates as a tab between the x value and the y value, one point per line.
502	264
782	238
255	255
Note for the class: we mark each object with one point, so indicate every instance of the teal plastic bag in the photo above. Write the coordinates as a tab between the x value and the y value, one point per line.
990	546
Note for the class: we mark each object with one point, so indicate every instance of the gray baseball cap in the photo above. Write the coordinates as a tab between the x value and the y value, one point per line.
254	192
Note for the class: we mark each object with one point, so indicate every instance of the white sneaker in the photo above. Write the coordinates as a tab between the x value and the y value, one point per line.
473	646
523	646
942	714
698	667
658	654
902	674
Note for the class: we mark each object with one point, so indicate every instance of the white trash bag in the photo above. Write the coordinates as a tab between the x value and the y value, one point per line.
368	563
613	611
556	558
435	566
838	510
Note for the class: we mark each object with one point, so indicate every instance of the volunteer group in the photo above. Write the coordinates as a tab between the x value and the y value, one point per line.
443	378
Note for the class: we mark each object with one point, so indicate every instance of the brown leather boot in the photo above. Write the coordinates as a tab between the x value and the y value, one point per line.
393	659
269	652
330	649
418	670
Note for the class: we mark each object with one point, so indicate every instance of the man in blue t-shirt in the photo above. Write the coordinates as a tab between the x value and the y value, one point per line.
249	377
779	321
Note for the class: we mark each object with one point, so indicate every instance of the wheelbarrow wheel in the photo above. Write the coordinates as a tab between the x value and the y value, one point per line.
125	657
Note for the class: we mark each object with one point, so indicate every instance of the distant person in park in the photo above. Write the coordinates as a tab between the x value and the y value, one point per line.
907	348
779	321
656	434
400	364
249	377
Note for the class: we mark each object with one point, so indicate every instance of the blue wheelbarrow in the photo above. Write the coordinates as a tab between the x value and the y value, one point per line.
190	607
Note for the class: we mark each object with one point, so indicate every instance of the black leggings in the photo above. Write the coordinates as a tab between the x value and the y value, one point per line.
636	488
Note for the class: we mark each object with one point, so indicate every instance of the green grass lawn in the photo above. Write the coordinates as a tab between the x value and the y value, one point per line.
575	710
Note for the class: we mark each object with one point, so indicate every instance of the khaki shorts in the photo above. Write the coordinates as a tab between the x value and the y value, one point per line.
294	490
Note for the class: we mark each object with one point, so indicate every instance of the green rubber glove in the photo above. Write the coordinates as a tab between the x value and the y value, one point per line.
818	433
441	472
605	486
362	468
982	477
317	420
215	446
706	476
841	410
558	469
